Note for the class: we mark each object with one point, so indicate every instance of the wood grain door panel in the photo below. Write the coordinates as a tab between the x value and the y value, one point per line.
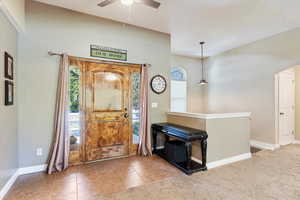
107	103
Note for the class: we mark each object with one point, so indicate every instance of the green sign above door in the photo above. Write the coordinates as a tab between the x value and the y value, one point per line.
108	52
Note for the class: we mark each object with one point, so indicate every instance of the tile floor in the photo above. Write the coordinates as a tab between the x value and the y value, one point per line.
92	181
268	175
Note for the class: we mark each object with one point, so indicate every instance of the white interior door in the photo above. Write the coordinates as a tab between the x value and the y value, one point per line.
286	107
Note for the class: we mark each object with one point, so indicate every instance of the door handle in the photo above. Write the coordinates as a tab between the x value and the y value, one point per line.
126	115
281	113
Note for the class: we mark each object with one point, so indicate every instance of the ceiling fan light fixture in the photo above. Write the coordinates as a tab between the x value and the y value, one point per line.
127	2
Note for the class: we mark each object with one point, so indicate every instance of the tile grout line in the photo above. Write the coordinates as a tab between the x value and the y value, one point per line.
144	176
137	176
140	176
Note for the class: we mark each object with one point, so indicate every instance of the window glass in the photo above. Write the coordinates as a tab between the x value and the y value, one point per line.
178	74
107	91
135	86
178	90
74	103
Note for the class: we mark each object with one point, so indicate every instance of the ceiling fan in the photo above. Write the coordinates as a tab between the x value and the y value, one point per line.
151	3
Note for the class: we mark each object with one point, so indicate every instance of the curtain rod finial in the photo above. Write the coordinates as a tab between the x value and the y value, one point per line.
147	65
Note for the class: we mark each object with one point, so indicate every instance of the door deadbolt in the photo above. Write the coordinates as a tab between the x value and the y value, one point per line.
126	115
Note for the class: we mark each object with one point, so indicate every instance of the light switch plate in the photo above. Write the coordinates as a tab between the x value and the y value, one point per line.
154	105
39	151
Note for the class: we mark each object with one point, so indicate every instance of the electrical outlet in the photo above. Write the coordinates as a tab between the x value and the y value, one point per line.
39	151
154	105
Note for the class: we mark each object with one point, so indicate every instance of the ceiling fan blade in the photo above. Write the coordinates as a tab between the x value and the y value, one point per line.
151	3
106	2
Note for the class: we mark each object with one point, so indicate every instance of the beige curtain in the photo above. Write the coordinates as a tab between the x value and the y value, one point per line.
145	147
59	156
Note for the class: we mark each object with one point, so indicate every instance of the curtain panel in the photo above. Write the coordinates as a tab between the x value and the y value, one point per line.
59	156
145	145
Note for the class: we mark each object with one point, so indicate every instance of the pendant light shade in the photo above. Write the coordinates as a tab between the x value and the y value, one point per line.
202	81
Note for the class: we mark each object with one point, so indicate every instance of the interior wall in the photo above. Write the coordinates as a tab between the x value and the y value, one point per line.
61	30
8	114
242	80
297	103
195	92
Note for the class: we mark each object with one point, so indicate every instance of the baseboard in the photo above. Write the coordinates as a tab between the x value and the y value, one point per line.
32	169
9	184
296	142
263	145
19	172
225	161
196	160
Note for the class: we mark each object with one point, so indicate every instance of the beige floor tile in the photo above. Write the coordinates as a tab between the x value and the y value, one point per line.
268	175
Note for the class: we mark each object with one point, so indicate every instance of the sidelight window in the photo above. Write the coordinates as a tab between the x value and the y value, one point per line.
74	107
135	88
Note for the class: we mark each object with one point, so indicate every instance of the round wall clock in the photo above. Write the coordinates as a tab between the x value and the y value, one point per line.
158	84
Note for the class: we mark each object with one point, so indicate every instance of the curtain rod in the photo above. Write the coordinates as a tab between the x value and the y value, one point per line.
50	53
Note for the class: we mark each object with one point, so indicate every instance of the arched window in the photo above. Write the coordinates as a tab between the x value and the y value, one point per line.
178	90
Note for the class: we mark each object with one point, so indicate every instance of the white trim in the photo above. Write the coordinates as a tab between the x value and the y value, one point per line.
276	93
211	116
32	169
19	172
296	142
263	145
196	160
9	184
225	161
9	16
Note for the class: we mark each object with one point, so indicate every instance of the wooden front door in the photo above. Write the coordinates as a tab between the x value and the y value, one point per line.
106	91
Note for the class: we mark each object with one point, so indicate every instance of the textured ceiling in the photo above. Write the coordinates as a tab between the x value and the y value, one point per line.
223	24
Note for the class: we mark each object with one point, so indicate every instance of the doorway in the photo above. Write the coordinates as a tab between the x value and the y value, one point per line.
285	106
108	111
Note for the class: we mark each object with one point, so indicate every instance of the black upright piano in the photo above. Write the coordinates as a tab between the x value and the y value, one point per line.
178	149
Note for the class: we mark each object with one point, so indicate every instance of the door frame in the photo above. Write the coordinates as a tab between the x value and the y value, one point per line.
276	103
80	62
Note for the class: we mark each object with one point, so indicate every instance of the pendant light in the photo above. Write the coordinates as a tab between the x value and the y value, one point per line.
202	81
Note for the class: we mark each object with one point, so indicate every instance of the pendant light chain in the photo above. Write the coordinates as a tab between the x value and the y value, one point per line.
202	60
